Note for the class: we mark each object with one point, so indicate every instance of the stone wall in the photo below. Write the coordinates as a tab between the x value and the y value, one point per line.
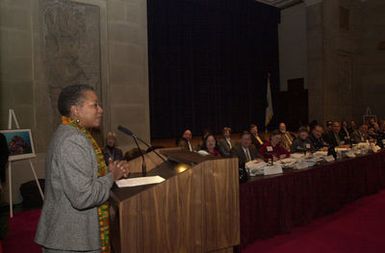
315	60
35	61
292	45
345	67
370	72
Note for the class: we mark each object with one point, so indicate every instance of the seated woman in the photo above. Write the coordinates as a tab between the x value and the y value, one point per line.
210	145
273	148
110	151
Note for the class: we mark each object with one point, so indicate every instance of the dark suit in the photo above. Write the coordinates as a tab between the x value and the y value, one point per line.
317	144
114	153
380	137
334	139
224	147
358	136
255	141
299	145
184	144
345	133
240	153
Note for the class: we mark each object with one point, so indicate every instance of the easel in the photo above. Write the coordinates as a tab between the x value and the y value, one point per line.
12	117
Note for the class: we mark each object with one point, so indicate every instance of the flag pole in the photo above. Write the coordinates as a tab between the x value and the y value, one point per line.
269	108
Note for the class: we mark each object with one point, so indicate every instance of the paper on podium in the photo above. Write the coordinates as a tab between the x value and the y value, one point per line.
137	181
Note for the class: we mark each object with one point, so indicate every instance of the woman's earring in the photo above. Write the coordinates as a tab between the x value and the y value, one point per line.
77	121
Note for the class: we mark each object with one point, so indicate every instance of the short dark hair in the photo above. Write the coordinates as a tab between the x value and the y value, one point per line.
225	129
205	141
315	126
275	132
252	126
71	95
245	133
302	129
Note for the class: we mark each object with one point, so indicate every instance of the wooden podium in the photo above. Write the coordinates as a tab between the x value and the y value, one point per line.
195	210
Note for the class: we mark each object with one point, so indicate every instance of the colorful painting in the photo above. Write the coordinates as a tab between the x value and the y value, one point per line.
20	144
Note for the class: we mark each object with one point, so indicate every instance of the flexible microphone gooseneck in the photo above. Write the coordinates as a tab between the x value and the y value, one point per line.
130	133
149	147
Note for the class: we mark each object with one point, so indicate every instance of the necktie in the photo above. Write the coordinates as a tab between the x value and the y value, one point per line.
248	157
337	139
229	142
288	139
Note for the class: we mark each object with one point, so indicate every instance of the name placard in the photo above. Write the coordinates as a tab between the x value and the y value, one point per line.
272	170
329	158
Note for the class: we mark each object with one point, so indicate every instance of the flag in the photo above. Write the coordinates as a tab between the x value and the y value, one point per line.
269	108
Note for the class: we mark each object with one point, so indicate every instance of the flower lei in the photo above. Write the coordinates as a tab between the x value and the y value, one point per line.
104	209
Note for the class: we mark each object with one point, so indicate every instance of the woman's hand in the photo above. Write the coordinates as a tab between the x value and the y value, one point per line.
118	169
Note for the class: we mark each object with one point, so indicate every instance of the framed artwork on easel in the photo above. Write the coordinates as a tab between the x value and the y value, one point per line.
20	144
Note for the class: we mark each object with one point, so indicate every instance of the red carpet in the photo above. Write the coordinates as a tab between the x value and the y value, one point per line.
21	233
358	228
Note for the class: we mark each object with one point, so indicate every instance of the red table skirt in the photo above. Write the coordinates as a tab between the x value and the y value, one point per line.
274	205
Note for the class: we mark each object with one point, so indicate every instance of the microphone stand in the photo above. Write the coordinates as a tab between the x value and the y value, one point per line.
144	167
149	146
136	139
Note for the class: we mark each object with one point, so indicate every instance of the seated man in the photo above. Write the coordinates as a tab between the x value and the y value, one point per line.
225	144
345	131
273	148
381	134
360	135
110	150
353	127
287	137
255	138
302	142
329	126
334	137
185	141
317	142
245	151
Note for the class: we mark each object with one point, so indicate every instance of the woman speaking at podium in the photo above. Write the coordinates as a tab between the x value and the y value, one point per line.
75	215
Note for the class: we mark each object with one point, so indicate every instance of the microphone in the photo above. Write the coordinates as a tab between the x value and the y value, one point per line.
125	130
130	133
149	147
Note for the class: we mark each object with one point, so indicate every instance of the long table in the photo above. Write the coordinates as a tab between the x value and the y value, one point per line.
271	205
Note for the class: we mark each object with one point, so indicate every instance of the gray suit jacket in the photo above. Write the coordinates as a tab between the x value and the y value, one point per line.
69	219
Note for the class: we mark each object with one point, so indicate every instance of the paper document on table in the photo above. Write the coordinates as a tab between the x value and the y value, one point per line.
137	181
